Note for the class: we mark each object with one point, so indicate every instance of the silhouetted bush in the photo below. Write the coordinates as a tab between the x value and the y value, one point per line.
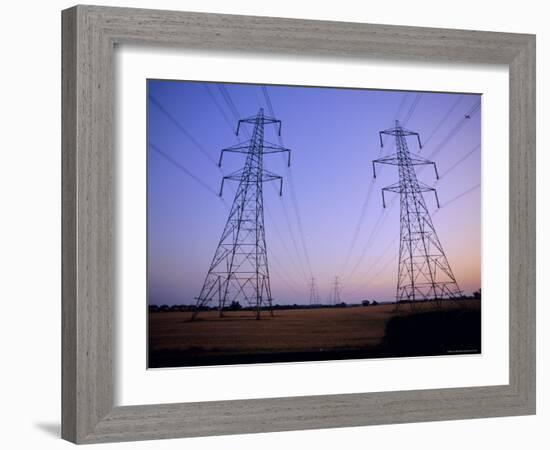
234	306
434	333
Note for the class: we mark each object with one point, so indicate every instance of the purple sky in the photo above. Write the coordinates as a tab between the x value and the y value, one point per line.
333	134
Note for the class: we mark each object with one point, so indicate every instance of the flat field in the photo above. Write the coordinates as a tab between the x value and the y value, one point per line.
313	334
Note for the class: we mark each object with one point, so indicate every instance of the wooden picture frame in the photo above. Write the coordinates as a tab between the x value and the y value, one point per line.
89	35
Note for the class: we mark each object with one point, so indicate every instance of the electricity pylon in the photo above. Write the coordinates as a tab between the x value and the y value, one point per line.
313	294
239	269
424	272
335	292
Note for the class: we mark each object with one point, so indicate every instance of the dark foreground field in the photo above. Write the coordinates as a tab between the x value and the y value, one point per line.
313	334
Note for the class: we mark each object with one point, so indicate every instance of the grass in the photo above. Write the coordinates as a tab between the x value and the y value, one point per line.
312	334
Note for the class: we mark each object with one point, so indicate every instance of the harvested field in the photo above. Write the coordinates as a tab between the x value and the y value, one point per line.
312	334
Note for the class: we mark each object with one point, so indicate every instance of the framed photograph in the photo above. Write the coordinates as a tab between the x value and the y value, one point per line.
278	224
265	291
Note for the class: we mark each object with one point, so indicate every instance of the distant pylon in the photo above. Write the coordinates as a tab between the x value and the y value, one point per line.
313	294
424	272
239	270
334	298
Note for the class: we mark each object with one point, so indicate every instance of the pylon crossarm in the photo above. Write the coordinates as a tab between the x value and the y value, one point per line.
269	176
425	188
391	160
265	120
233	150
281	151
279	123
278	150
242	147
271	145
419	160
269	148
398	131
384	197
437	199
395	187
239	265
381	140
420	252
418	137
235	176
436	172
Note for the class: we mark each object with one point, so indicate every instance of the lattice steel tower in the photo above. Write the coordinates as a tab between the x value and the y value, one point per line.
239	270
313	294
424	272
335	292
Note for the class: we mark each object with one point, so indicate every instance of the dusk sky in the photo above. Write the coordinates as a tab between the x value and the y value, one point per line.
329	221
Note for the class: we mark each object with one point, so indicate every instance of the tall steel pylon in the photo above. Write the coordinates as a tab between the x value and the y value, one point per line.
313	293
424	272
335	292
239	270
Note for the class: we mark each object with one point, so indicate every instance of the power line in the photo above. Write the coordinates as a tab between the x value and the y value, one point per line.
228	99
461	160
459	196
293	238
382	269
444	119
175	122
219	107
414	104
273	222
412	108
455	130
239	267
191	138
292	187
380	256
285	282
283	242
424	273
334	297
267	100
368	279
374	231
313	293
389	246
359	225
401	104
282	270
184	169
397	114
233	109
